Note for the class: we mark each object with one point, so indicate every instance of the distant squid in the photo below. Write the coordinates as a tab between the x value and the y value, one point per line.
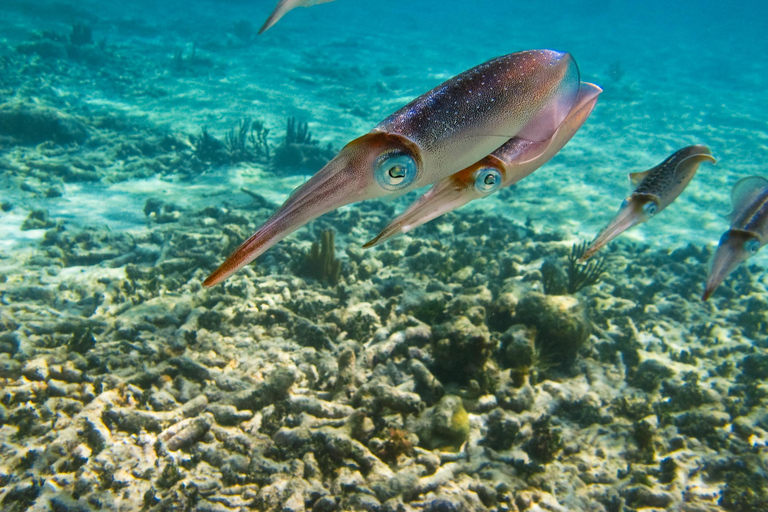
748	232
282	8
504	167
656	189
526	94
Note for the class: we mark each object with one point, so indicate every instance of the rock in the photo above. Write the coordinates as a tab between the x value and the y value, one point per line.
36	369
34	124
641	497
461	351
377	395
561	323
191	369
516	399
186	433
444	426
518	348
649	375
161	400
501	313
133	421
273	390
228	415
9	368
194	407
501	429
37	219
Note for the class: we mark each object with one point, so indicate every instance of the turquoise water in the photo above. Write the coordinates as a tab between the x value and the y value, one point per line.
445	369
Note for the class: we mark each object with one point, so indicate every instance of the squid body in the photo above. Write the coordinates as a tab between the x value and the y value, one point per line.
656	189
526	94
513	161
748	232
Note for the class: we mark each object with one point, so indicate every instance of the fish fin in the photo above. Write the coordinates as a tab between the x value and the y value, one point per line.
745	192
636	177
548	120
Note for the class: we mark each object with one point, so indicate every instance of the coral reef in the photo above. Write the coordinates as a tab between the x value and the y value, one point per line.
429	373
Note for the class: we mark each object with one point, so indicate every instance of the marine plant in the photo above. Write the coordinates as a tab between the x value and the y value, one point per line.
297	132
545	441
247	141
321	263
299	151
397	443
208	148
81	34
582	274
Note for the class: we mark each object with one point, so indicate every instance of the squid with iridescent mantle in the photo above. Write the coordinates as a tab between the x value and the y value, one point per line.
504	167
656	189
525	94
748	232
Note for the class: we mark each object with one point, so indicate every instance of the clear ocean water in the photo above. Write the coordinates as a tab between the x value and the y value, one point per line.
437	371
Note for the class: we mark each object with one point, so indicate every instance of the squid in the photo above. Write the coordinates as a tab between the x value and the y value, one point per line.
656	189
525	94
513	161
748	231
282	8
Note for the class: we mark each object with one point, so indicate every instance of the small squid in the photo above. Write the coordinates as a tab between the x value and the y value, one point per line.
504	167
656	189
748	231
526	94
282	8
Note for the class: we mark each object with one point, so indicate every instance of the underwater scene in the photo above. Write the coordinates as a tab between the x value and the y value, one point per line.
413	255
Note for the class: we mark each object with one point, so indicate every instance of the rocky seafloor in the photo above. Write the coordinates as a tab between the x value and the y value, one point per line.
432	375
447	370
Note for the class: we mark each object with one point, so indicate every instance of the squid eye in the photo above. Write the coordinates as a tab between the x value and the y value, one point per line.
394	171
487	180
650	209
752	245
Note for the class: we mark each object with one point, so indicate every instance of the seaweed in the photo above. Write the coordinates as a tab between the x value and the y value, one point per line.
297	132
545	442
208	148
258	137
582	274
299	152
321	263
396	444
81	34
247	141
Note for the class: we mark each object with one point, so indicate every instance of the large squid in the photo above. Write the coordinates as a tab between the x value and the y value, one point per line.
656	189
526	94
504	167
282	8
748	231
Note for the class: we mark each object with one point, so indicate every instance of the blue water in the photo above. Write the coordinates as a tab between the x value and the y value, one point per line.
674	74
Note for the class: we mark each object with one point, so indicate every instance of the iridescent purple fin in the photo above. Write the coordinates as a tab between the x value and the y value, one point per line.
549	119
